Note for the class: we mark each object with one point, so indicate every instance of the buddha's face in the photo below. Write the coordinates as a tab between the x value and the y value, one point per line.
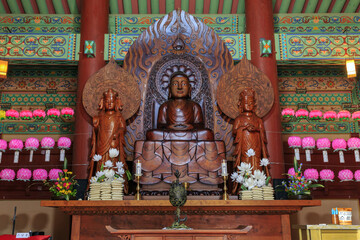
249	104
109	102
179	87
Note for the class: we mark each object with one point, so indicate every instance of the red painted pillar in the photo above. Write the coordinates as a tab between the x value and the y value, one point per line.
259	24
94	24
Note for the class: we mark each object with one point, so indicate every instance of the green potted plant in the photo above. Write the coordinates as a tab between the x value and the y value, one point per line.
298	187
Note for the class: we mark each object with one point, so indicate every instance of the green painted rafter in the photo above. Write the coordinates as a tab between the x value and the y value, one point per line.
73	7
298	6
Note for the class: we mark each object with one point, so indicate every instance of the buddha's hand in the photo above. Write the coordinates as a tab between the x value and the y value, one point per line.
181	126
250	127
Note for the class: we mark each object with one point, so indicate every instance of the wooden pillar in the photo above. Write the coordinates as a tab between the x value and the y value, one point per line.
259	24
94	24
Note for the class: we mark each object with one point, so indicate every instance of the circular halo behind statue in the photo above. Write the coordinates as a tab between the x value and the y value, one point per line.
112	76
243	75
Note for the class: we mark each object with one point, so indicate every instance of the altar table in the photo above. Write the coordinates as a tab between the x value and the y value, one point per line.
260	219
328	232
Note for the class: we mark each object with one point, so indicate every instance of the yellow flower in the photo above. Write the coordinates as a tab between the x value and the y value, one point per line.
66	178
2	114
69	172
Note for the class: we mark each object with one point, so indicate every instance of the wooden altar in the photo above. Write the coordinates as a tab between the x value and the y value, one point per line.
234	219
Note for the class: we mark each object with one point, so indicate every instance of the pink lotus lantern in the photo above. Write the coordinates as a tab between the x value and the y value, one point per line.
324	144
295	142
53	113
330	116
16	145
39	114
26	115
3	146
54	173
288	113
357	175
315	115
308	143
356	116
327	175
7	174
67	113
345	175
344	115
311	174
12	114
354	144
339	144
291	171
40	174
31	144
301	114
64	143
23	174
47	143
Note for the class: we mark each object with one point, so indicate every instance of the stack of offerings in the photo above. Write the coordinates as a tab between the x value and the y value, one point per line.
105	189
246	195
117	189
257	193
94	193
268	192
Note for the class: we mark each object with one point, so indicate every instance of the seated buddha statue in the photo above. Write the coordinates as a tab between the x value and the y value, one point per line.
180	118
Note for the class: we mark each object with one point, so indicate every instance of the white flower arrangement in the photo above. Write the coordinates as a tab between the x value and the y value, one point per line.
109	173
97	157
250	152
113	152
247	179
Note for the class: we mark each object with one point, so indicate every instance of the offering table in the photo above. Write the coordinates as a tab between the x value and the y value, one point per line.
256	219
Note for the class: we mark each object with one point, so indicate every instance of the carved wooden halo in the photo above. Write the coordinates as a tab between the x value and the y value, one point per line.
244	74
115	77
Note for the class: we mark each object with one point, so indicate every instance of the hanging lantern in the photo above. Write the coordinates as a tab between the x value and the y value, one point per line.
350	68
47	143
3	146
339	144
3	68
16	145
308	143
64	143
323	144
354	144
31	144
295	142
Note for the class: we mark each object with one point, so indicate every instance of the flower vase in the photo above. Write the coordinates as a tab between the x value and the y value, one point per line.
257	193
300	197
245	195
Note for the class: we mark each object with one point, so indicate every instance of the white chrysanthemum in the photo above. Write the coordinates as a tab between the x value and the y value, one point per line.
240	179
108	164
260	178
250	152
113	152
249	183
233	176
93	180
264	162
109	173
245	168
99	174
97	157
260	183
119	165
120	171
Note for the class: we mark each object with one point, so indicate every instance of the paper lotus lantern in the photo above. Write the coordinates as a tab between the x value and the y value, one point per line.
327	175
288	113
330	116
67	113
31	144
295	142
344	115
64	143
356	116
7	174
53	113
311	174
301	114
39	114
47	143
16	145
3	146
12	114
324	144
54	173
339	145
354	144
26	115
315	115
23	174
2	114
291	172
357	175
345	175
308	143
40	174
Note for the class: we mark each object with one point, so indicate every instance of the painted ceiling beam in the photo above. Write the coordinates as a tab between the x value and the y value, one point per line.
325	4
227	6
35	6
214	5
42	6
298	6
143	8
241	7
65	6
284	6
352	6
73	7
2	9
50	6
27	6
234	5
155	6
58	7
170	5
273	4
311	6
277	6
338	5
14	8
114	9
192	6
127	7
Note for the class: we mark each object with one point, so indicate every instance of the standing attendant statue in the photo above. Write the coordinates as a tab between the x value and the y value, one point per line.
249	133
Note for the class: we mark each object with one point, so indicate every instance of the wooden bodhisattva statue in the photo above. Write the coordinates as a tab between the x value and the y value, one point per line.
249	133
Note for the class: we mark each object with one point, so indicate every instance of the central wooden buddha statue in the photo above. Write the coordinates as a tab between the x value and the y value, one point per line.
180	142
180	118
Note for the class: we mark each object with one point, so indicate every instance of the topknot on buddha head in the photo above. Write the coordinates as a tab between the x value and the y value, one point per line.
110	101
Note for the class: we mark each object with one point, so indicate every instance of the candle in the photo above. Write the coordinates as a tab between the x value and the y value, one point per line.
224	172
138	168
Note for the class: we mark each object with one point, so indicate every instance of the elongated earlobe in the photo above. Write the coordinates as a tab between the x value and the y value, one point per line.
101	104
